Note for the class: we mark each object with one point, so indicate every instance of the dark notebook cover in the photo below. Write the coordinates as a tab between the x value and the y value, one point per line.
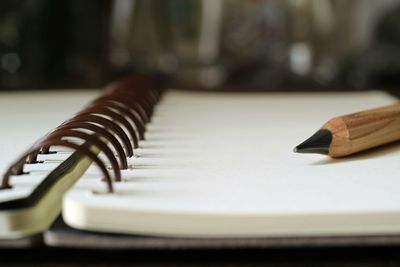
61	235
25	242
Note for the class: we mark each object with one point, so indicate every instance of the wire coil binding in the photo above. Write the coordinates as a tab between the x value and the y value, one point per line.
114	123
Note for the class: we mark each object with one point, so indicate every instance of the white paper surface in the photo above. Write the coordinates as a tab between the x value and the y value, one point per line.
221	164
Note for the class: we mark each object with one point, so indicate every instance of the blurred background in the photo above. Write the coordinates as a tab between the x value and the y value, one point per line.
209	44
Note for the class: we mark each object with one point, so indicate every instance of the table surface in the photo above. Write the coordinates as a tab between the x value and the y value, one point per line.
373	256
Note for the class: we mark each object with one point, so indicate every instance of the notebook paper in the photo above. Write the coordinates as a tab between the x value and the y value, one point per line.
26	116
221	165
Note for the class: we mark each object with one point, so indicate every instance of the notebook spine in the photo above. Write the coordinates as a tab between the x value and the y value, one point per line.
113	123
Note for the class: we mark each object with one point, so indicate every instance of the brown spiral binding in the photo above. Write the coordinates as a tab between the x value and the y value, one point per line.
125	107
103	133
138	107
109	124
92	140
94	128
115	117
146	101
17	166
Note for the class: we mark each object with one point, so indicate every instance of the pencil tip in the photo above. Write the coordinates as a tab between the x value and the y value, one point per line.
317	143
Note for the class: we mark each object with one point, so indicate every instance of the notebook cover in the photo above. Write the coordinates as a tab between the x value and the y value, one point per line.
61	235
25	242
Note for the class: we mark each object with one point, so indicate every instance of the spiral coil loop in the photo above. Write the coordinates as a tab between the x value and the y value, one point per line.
114	123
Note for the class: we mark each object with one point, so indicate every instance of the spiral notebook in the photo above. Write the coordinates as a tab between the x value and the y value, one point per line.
212	165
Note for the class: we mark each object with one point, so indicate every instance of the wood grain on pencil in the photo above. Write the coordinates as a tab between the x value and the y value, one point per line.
356	132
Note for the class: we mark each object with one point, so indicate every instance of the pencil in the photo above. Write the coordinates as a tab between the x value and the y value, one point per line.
352	133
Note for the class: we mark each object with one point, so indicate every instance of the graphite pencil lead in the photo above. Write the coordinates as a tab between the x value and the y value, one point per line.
317	143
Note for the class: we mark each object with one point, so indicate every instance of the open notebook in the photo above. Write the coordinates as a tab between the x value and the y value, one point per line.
221	165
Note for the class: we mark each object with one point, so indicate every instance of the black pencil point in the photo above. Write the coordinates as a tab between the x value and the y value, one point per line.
317	143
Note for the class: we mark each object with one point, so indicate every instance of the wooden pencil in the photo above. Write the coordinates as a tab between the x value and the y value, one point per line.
352	133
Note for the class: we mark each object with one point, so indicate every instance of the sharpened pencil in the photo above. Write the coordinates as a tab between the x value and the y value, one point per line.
352	133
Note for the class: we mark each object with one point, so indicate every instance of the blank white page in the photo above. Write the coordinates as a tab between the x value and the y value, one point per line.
222	165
